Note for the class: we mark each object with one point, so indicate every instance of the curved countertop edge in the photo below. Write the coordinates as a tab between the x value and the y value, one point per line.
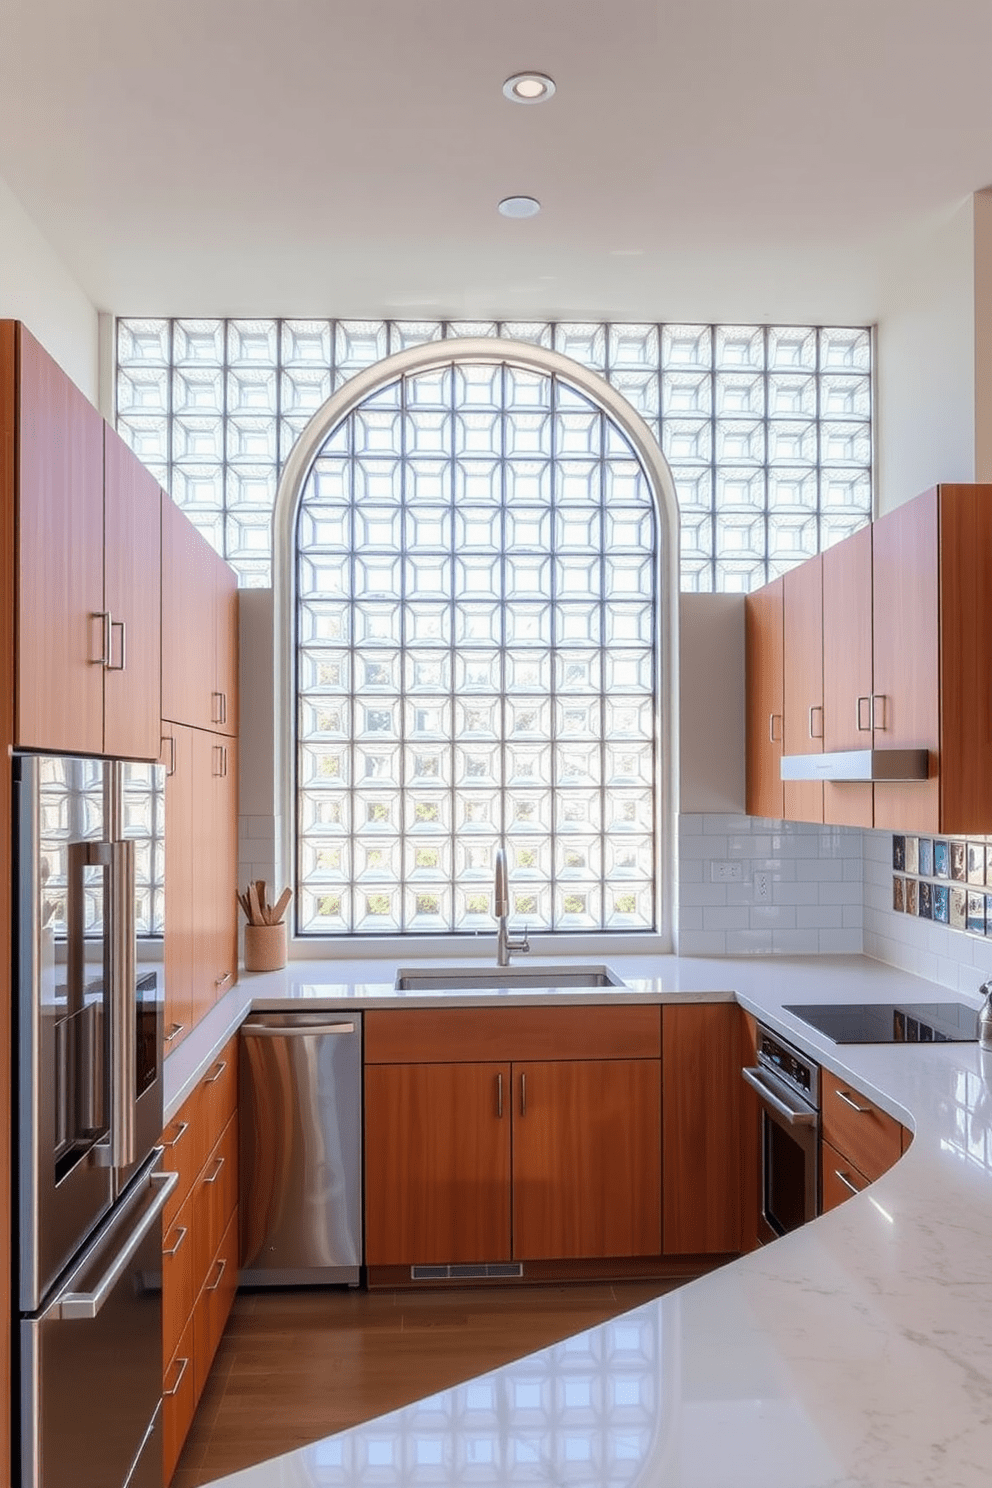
854	1353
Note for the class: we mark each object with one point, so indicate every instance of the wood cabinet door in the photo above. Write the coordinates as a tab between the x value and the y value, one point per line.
847	671
207	758
226	835
437	1163
224	698
178	759
60	560
802	705
586	1159
701	1084
905	657
763	618
132	594
187	621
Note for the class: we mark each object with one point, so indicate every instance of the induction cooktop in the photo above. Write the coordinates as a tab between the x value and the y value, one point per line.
890	1022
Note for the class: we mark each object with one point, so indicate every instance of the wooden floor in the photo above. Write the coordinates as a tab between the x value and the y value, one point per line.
294	1366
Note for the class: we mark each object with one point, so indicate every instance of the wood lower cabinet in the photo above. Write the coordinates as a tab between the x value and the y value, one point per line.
437	1163
765	710
199	1244
857	1128
479	1147
701	1103
586	1159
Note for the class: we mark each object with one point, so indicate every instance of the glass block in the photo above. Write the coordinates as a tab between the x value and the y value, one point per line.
527	811
252	342
378	528
473	908
378	860
428	907
628	718
524	390
149	439
846	489
530	908
377	766
306	342
845	443
527	435
377	719
324	718
377	813
377	480
478	527
791	347
578	812
477	812
687	441
479	575
585	344
429	390
427	624
628	671
792	488
477	672
686	346
426	861
792	397
428	433
577	576
478	386
248	533
739	346
329	481
428	764
578	858
477	766
253	486
359	343
198	390
197	341
629	765
427	672
737	576
686	394
628	811
377	672
578	481
325	814
426	481
629	906
526	624
324	766
578	906
143	390
535	332
696	576
738	488
427	813
143	341
792	442
324	911
428	527
472	327
628	576
740	535
406	333
198	486
526	481
427	718
616	445
477	719
578	623
377	432
843	349
529	858
252	573
324	862
693	487
377	910
195	439
475	859
321	624
739	394
845	396
527	671
577	764
478	481
527	718
578	528
836	525
695	535
252	439
738	441
528	529
579	435
478	624
378	574
578	672
304	389
528	765
632	529
630	856
633	346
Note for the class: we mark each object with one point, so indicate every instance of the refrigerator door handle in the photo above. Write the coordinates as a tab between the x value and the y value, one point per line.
87	1305
124	1013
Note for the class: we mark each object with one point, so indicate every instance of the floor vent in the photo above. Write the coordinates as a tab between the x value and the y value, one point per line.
498	1270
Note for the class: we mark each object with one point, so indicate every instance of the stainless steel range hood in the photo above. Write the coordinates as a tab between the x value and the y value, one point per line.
858	764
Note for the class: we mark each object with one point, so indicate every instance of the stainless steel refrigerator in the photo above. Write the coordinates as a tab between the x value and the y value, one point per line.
89	908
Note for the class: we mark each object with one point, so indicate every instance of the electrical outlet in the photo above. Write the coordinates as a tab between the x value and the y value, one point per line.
729	872
762	888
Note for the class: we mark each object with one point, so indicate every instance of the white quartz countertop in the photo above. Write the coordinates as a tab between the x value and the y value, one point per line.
855	1351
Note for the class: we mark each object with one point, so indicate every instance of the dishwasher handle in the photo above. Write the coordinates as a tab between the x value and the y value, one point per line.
291	1030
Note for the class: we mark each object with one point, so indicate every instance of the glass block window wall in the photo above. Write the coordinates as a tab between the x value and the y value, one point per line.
767	428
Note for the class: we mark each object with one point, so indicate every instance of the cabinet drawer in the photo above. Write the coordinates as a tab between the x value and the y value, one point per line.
178	1293
214	1304
217	1191
857	1129
500	1035
179	1399
219	1088
839	1179
186	1146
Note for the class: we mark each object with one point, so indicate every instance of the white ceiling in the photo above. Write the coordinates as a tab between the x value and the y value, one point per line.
719	159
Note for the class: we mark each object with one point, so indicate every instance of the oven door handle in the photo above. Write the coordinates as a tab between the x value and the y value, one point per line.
794	1115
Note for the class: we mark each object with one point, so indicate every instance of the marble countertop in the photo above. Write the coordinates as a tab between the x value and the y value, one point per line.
855	1351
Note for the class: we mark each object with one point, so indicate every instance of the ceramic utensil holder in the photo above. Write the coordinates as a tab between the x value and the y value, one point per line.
265	947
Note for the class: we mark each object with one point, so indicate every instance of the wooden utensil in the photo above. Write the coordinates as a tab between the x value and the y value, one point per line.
256	916
276	914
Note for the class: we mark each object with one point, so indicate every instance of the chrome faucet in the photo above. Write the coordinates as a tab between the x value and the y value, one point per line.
501	908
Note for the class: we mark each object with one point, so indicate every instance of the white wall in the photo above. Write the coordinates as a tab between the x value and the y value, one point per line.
925	368
36	287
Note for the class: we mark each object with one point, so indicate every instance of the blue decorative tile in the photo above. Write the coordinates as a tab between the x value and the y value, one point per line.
926	857
941	903
941	860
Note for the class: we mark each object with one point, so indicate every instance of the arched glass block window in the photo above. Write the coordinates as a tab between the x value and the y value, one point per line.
477	552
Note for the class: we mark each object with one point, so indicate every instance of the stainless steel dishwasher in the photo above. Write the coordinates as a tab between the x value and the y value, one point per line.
301	1149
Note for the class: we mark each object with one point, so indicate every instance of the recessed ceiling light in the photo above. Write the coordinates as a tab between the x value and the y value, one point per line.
529	87
519	206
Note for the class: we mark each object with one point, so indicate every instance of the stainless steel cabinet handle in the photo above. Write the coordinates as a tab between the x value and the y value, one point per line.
217	707
863	702
815	708
104	658
170	739
842	1095
183	1129
174	1389
223	707
121	665
771	728
217	1170
792	1114
266	1030
182	1232
851	1188
175	1029
216	1072
879	698
523	1095
222	981
214	1285
499	1095
86	1305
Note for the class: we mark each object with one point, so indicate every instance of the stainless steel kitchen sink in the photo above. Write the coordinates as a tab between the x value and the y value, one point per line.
508	978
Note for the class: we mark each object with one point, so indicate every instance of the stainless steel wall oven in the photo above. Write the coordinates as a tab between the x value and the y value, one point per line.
788	1088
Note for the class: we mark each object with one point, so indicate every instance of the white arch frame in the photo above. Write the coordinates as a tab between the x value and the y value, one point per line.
432	356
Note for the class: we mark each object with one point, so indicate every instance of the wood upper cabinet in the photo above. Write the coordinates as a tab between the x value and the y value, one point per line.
132	687
437	1163
214	837
60	629
802	700
199	629
847	671
701	1120
180	891
764	632
586	1159
88	674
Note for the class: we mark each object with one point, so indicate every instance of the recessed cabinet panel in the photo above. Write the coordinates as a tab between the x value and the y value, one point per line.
847	671
764	627
179	899
802	728
132	688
